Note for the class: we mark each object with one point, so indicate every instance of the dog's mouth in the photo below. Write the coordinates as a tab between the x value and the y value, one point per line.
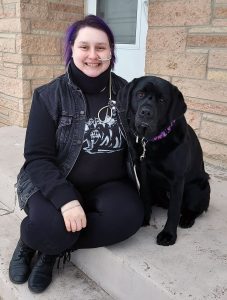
141	130
144	130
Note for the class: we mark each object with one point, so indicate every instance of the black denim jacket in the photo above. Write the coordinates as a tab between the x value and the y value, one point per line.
53	143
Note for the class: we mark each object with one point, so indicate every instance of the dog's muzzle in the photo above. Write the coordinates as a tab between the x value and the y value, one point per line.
145	123
144	129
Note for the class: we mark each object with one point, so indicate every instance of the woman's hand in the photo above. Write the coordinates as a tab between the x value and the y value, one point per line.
74	216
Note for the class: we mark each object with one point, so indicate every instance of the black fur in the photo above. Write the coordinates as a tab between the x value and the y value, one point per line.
172	172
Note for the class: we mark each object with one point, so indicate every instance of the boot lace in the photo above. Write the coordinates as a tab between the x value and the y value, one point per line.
64	256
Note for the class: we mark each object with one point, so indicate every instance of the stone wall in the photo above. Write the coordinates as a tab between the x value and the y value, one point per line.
187	45
30	50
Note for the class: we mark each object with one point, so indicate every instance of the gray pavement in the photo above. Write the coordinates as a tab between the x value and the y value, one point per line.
195	268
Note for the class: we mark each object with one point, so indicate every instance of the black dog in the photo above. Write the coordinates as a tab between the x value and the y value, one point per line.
166	152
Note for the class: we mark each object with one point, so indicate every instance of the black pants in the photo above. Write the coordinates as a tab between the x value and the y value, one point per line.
114	212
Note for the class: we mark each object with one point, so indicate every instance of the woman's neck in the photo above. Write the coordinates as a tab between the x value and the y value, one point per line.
90	85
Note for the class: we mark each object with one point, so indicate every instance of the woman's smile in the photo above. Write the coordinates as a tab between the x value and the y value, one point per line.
93	65
90	47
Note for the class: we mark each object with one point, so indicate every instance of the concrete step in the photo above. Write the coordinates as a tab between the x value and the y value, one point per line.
195	268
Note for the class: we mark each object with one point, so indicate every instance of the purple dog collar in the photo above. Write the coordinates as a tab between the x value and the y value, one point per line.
159	137
163	134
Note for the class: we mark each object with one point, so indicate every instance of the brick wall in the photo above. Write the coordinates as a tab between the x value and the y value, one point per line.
187	45
30	50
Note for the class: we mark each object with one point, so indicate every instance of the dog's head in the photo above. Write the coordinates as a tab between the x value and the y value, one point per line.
151	104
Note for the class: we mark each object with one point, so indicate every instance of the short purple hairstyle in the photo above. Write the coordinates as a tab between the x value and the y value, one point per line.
89	21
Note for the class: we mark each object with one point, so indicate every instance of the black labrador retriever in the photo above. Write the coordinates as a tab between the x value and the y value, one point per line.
166	152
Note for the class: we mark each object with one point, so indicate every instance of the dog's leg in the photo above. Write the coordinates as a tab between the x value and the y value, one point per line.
196	201
168	235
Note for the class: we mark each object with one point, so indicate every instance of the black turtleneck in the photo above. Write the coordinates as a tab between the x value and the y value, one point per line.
102	157
89	85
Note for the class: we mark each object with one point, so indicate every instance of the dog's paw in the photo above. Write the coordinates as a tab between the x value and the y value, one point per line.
186	222
165	238
188	218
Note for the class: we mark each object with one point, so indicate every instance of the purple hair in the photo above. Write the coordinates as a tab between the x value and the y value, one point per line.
89	21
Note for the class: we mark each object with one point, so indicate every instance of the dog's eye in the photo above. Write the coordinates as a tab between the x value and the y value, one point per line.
140	94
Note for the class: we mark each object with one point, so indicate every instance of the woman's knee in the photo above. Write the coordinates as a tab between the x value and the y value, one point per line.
44	229
48	237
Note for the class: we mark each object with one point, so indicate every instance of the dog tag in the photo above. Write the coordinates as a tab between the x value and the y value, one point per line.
144	150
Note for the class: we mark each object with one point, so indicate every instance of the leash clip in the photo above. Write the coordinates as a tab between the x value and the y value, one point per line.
144	149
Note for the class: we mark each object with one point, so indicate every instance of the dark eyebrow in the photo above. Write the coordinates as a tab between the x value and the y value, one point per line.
102	44
99	44
82	42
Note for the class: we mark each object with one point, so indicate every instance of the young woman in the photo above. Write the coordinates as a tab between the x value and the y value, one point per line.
75	185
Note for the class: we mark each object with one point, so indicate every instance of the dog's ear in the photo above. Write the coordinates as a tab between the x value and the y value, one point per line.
178	106
124	96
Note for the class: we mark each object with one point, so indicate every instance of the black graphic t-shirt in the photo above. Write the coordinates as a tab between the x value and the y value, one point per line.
102	157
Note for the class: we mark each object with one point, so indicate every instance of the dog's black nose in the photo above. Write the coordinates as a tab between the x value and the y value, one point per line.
146	112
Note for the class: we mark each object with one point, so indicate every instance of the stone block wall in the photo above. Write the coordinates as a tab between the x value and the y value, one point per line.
30	50
187	45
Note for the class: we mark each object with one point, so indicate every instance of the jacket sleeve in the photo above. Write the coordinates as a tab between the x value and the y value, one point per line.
41	156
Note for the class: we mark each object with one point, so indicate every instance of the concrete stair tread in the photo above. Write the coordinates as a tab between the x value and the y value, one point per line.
195	268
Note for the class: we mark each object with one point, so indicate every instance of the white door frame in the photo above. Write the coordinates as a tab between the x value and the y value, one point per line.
133	55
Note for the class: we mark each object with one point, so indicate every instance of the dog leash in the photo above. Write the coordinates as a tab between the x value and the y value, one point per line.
111	104
144	143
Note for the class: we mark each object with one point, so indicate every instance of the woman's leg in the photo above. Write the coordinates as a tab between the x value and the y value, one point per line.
44	229
37	229
114	212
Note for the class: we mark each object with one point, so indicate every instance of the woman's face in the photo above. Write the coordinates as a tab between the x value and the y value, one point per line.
89	47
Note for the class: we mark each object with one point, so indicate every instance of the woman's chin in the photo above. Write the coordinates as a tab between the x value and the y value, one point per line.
93	72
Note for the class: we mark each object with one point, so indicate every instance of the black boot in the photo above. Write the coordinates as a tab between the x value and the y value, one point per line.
41	275
19	267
